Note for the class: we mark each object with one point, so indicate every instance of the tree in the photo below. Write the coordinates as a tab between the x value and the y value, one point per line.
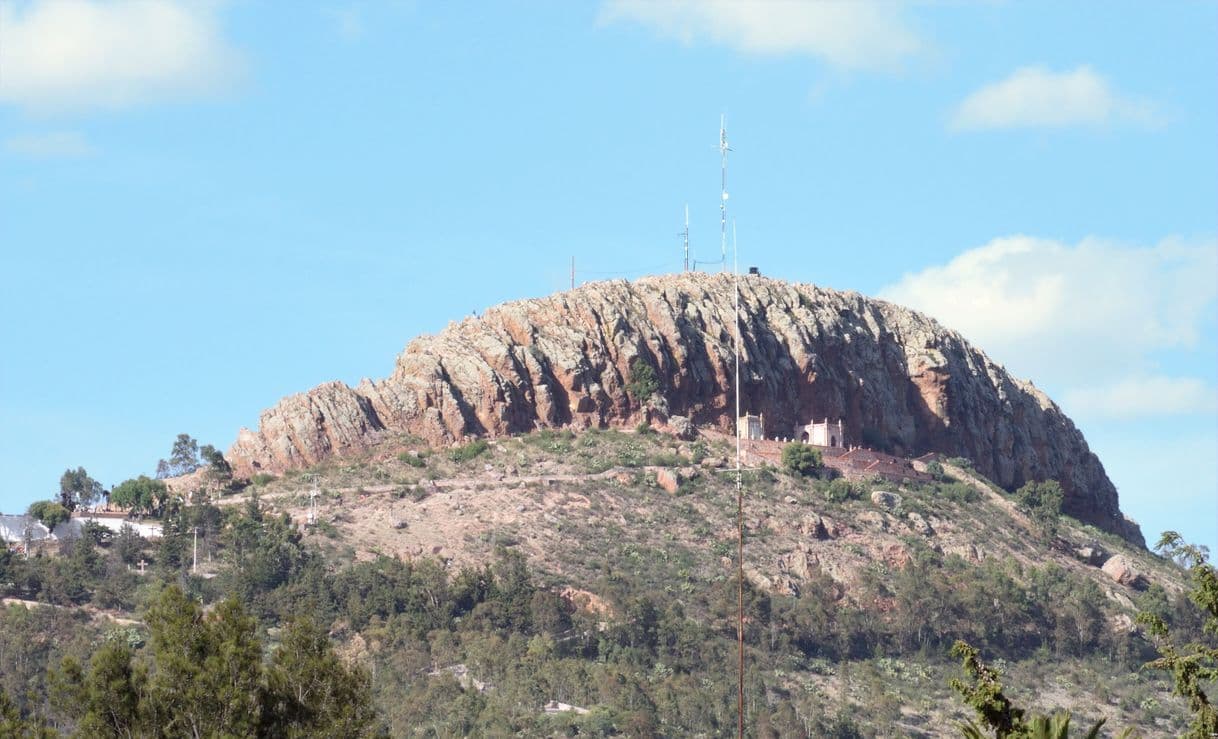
217	466
1195	664
1043	501
203	675
307	685
183	458
983	692
140	495
801	459
76	489
49	513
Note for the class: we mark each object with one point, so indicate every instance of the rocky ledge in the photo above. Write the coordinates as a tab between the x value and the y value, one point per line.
900	381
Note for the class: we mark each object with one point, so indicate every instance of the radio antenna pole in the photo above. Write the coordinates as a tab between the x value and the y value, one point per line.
723	150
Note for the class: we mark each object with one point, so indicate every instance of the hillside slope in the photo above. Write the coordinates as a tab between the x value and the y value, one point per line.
898	379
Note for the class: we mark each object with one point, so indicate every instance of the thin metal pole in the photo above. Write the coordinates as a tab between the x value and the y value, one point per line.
723	150
572	273
686	244
739	493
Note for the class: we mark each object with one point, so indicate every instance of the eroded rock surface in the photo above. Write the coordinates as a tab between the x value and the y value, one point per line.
899	380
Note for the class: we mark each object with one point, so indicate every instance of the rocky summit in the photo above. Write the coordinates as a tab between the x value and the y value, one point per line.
899	380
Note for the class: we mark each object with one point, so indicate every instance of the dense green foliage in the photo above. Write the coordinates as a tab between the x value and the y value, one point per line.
469	451
1193	665
801	459
643	381
205	675
49	513
1043	501
479	650
140	495
982	691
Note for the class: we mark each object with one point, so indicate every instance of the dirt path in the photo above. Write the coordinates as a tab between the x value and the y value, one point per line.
95	613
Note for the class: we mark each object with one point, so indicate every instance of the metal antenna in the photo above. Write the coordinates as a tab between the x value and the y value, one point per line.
723	150
739	490
685	233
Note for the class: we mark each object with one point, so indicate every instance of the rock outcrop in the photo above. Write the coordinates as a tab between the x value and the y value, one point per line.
900	381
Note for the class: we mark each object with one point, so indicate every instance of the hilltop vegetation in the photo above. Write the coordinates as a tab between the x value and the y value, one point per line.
473	587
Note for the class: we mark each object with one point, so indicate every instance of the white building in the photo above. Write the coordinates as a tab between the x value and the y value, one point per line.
749	426
823	433
22	528
19	529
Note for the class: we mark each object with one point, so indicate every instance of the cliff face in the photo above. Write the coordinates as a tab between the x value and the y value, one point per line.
897	378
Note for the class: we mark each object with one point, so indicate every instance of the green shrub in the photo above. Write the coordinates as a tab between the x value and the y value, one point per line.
959	492
801	459
1043	501
643	383
469	451
414	459
842	489
263	478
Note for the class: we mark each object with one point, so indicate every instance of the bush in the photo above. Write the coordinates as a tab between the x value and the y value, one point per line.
643	383
842	489
959	492
801	459
414	459
468	451
263	478
1043	501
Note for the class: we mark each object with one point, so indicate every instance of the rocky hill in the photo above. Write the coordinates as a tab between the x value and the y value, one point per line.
900	381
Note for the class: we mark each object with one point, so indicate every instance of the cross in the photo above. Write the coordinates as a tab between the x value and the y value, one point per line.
142	563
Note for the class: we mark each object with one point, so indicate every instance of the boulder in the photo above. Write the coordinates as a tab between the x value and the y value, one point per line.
669	480
885	499
814	526
1121	569
920	524
1091	553
682	427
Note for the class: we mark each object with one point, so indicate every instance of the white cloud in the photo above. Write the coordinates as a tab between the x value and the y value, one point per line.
51	145
62	55
1039	97
862	34
1077	316
1135	397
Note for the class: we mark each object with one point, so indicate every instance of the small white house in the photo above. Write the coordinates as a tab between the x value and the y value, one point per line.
823	433
750	426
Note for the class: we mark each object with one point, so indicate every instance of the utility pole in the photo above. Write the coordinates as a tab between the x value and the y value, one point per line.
194	564
572	273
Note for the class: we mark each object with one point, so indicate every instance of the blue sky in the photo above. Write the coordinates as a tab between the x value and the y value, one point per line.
205	206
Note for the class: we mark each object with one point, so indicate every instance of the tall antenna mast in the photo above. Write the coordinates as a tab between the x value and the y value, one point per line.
685	233
723	150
